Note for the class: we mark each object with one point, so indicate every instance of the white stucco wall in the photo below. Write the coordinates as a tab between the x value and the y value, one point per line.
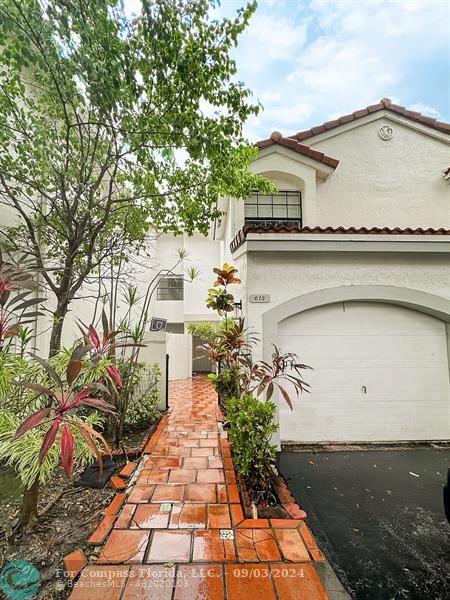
286	275
203	254
394	183
378	183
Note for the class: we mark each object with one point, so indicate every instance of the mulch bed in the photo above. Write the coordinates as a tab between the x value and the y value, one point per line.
277	504
65	528
269	508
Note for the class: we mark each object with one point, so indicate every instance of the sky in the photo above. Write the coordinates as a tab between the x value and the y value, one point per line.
309	61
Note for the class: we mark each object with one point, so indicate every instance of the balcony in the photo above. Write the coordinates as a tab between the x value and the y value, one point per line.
283	208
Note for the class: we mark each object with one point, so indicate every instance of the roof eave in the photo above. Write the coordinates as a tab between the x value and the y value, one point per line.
325	165
385	104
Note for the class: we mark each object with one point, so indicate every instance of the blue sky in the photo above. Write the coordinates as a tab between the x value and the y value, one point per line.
308	61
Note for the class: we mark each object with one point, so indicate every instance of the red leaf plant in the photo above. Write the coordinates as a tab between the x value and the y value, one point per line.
64	400
266	376
19	309
104	344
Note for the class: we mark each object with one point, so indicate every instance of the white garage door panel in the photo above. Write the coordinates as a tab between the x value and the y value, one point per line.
380	373
372	352
342	427
362	317
344	383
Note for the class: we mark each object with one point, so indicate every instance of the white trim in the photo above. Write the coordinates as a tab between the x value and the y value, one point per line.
323	171
338	242
370	118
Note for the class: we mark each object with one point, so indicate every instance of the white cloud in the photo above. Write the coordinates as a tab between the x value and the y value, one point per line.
425	110
269	38
132	7
284	114
335	56
310	61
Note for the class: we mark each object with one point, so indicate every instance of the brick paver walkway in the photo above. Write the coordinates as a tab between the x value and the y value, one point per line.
182	533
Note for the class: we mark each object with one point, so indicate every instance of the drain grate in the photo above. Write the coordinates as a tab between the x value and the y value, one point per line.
226	534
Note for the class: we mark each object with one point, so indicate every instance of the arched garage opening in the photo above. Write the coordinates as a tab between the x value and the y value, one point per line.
380	359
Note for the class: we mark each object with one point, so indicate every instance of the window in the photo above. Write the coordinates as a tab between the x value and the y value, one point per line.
280	207
170	288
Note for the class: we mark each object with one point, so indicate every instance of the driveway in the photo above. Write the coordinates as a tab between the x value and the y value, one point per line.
379	518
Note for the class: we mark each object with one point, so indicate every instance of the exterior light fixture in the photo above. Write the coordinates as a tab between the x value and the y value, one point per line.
237	309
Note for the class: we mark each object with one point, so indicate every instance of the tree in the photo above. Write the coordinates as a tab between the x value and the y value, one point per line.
107	124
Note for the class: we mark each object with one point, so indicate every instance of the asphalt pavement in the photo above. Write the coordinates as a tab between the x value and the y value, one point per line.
379	517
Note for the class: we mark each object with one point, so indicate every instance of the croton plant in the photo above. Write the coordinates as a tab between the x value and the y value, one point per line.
219	299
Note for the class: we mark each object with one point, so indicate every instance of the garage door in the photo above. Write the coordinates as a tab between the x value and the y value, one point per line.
380	374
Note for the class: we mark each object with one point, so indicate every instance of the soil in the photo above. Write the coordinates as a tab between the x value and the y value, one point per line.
268	506
134	438
65	528
272	512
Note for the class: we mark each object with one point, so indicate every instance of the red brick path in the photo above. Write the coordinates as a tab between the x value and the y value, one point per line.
181	532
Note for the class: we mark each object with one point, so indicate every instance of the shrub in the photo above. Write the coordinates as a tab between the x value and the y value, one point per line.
143	409
205	330
208	330
14	371
225	383
252	426
22	453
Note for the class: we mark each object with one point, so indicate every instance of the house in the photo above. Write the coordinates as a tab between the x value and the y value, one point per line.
176	297
180	300
348	265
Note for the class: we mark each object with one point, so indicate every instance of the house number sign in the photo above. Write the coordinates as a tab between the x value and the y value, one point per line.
260	298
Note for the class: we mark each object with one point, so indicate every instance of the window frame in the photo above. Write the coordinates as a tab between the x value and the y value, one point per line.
255	201
165	287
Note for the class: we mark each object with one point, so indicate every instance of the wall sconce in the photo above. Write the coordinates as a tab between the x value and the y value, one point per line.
237	309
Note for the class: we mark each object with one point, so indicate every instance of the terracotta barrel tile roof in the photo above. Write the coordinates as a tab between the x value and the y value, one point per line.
384	104
277	139
241	236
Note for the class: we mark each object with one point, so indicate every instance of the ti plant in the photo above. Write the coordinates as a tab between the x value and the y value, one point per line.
15	310
64	399
265	376
231	349
102	345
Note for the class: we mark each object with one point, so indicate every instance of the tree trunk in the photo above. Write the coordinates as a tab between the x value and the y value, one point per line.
58	321
28	516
